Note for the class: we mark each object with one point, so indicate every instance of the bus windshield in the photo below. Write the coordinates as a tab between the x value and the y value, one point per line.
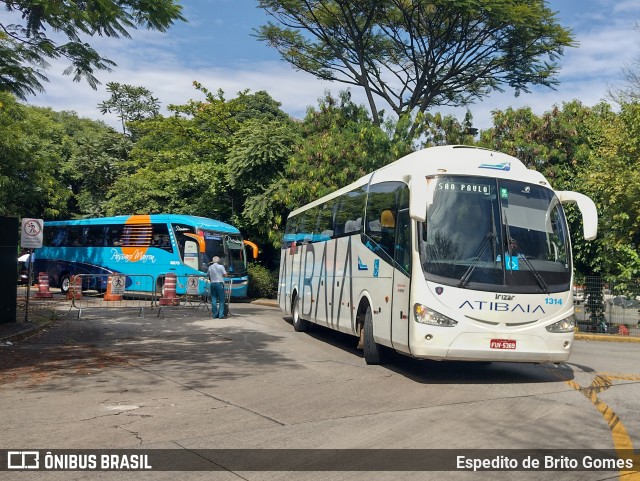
495	234
229	248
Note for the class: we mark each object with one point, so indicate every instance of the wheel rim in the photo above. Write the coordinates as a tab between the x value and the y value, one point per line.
296	313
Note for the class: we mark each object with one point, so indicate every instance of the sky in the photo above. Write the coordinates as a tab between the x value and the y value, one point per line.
217	47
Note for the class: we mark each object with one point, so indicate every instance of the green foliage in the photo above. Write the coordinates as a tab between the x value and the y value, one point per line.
55	164
29	156
612	179
205	158
244	161
25	46
263	283
437	129
130	103
340	144
261	151
591	150
436	52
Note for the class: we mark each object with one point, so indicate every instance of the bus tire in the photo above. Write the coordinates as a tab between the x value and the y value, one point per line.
372	350
65	283
299	324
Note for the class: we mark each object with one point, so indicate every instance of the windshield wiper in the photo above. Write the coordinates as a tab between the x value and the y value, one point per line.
512	246
490	238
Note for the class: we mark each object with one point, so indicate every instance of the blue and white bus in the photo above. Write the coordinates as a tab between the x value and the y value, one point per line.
144	245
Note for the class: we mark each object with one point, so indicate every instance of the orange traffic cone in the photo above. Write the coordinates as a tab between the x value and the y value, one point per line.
169	297
75	288
43	286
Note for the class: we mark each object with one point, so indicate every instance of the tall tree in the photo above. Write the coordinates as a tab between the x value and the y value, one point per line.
55	164
415	55
30	153
93	157
129	103
25	46
592	150
339	145
179	163
630	91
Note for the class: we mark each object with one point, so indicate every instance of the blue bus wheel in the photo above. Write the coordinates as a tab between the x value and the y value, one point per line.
64	283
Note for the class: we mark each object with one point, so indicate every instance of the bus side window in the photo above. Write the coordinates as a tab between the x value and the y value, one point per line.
381	218
289	232
74	236
325	220
55	236
161	237
94	236
113	233
348	216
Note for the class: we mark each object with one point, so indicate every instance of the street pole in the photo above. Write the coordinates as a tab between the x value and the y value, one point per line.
29	277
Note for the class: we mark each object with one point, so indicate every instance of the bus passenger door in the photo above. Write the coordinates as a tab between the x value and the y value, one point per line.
191	254
400	309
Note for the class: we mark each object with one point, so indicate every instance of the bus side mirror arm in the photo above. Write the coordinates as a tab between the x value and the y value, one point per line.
587	209
253	246
418	199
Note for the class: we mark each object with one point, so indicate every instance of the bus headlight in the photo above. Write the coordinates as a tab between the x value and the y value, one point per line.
424	315
568	324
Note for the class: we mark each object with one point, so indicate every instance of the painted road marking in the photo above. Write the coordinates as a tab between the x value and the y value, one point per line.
621	440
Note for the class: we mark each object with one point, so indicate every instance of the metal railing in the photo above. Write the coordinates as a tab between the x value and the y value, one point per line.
608	307
105	291
190	291
141	292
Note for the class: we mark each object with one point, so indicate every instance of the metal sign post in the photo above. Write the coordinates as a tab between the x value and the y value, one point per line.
29	274
31	236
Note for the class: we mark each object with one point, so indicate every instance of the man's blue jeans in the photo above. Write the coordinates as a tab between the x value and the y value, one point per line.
217	299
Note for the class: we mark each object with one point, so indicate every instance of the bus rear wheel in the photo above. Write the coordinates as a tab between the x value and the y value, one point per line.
299	324
372	350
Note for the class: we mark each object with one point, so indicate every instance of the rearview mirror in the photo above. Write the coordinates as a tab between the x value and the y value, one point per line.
418	199
587	209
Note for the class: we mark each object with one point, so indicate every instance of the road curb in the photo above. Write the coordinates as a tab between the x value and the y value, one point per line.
606	337
265	302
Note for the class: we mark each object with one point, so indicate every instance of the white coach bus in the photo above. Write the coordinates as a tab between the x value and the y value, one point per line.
454	252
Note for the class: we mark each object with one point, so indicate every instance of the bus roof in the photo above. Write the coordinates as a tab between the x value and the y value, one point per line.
200	222
447	159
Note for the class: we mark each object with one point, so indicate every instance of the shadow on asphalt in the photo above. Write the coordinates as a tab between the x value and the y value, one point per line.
450	372
190	344
190	347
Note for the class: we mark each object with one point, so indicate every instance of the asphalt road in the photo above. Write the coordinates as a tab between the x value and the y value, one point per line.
113	380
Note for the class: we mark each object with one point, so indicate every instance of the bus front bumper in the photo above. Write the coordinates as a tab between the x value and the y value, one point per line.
475	346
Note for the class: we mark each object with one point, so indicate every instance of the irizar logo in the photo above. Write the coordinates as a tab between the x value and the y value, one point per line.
361	266
501	307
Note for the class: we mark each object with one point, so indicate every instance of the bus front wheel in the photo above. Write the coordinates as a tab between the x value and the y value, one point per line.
299	324
64	283
372	350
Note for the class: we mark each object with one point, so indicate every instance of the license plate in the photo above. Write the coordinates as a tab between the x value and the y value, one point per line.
502	344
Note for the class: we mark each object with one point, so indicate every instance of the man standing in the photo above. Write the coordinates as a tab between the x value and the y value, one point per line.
216	274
